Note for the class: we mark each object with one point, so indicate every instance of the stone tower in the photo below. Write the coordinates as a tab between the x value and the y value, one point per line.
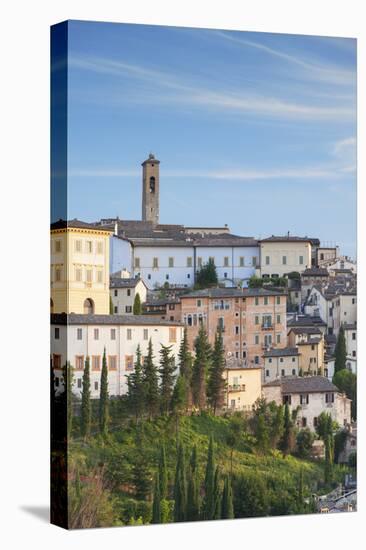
150	189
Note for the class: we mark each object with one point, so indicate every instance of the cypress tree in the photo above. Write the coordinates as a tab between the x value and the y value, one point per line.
209	485
137	307
179	399
262	433
193	496
68	376
163	473
217	495
180	487
340	351
151	384
85	401
227	509
135	386
216	382
104	398
288	434
166	371
156	508
200	368
141	476
300	493
328	467
185	368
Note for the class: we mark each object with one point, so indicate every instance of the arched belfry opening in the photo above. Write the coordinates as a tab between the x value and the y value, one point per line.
150	189
88	306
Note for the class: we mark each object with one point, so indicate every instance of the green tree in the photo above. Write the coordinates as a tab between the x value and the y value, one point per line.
111	306
179	399
193	495
137	307
68	376
185	368
262	434
135	387
328	464
300	492
156	507
276	423
251	497
304	442
85	401
180	487
255	282
166	371
151	384
209	485
287	443
216	382
227	509
206	276
163	473
201	367
104	398
340	351
233	436
141	476
217	495
346	382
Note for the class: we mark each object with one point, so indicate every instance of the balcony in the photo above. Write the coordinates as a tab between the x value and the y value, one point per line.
267	326
236	387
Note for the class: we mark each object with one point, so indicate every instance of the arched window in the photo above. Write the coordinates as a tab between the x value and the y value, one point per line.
152	184
88	306
51	305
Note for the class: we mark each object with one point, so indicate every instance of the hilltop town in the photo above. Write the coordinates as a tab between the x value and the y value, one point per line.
257	321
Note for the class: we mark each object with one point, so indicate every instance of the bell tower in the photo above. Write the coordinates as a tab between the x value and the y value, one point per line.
150	189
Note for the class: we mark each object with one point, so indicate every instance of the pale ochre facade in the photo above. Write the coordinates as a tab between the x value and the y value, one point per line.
80	270
279	258
243	387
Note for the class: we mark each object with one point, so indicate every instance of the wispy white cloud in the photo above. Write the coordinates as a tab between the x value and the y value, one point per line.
201	96
345	151
310	70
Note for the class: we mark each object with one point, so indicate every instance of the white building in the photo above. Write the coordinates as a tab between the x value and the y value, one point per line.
313	395
343	263
350	334
123	292
279	363
75	337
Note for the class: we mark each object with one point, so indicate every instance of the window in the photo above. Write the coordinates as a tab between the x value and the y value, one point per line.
129	362
303	422
312	347
266	300
353	336
284	260
167	277
353	300
256	300
79	334
315	421
278	319
199	261
301	260
152	184
254	261
100	247
282	372
278	300
281	359
270	360
79	362
171	262
155	263
236	329
241	261
56	363
221	323
293	359
353	353
89	275
96	334
304	399
116	292
149	276
129	334
115	309
78	274
199	303
188	275
267	372
267	260
79	382
100	276
226	261
95	362
293	372
278	338
128	292
225	275
96	386
88	306
329	397
146	334
89	246
268	340
172	334
286	399
57	333
189	261
256	359
256	320
112	362
58	274
211	259
57	246
78	246
113	333
137	263
128	309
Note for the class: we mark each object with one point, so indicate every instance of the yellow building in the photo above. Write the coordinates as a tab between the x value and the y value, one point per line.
243	387
282	255
79	268
310	343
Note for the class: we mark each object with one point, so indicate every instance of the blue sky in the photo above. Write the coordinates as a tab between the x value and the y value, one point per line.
254	130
